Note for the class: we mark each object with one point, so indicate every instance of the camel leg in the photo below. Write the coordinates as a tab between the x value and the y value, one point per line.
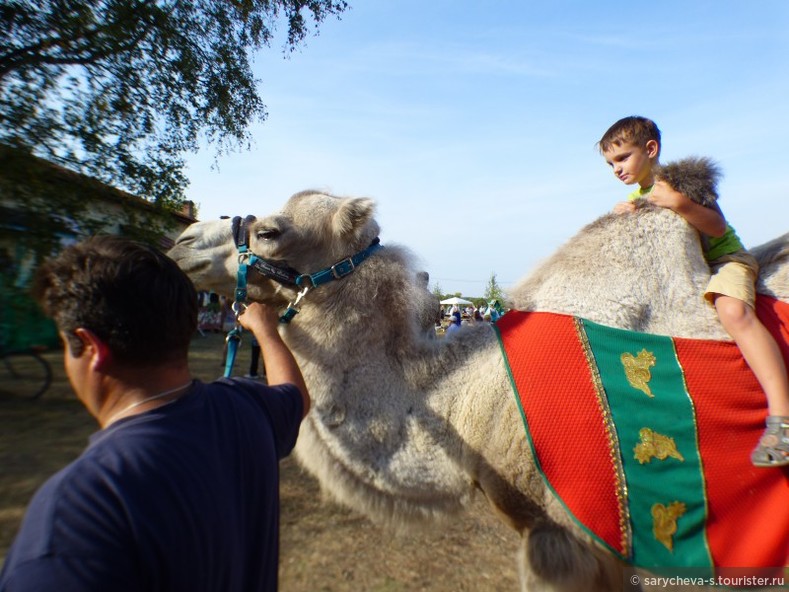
550	559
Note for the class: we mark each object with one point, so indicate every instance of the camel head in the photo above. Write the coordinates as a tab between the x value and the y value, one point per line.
205	251
312	232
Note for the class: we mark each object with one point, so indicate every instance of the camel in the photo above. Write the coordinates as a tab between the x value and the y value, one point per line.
405	428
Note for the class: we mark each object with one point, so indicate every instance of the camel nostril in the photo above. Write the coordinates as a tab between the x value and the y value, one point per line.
185	239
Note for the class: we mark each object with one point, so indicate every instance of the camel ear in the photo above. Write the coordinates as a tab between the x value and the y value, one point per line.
353	215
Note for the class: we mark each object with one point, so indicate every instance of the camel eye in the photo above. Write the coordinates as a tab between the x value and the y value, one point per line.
268	234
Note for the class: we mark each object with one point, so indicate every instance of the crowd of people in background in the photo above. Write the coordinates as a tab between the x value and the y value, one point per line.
214	313
452	317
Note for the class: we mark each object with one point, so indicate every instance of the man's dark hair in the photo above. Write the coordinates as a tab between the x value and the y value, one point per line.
132	296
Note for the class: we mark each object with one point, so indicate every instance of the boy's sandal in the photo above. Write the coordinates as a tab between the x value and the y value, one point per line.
773	448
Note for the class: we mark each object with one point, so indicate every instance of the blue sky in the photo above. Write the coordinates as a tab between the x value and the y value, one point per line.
473	124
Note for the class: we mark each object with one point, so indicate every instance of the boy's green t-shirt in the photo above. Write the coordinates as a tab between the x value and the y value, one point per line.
713	246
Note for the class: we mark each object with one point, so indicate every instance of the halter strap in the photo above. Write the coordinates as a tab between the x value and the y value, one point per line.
283	274
340	269
241	238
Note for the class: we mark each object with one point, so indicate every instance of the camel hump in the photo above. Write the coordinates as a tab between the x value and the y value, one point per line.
773	258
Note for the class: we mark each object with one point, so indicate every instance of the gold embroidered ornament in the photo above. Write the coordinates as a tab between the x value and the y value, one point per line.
664	522
637	370
655	445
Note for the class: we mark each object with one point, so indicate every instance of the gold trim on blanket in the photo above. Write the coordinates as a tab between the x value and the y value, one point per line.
625	528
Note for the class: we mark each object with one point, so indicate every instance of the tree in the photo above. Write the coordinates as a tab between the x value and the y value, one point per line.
121	89
492	290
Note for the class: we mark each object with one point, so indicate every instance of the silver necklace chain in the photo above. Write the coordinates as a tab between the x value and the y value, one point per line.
146	400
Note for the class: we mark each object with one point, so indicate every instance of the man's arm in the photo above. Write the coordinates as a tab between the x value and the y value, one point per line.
281	366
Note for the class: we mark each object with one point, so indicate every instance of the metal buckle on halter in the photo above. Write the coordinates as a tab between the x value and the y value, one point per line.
300	281
293	309
347	267
241	277
238	308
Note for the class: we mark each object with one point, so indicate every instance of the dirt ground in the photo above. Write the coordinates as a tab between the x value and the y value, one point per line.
324	547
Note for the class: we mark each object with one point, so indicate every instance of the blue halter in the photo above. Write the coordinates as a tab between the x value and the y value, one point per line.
280	273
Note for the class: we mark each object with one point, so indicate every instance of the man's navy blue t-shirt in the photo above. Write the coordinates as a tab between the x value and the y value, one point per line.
182	498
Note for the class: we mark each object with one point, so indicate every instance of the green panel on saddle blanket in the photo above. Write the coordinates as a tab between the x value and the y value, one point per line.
654	400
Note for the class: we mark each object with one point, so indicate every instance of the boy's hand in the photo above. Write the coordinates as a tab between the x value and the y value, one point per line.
706	220
664	196
624	207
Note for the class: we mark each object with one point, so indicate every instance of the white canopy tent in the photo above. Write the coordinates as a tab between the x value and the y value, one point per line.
456	300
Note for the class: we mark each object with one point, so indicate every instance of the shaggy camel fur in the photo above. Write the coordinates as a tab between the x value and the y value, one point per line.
405	428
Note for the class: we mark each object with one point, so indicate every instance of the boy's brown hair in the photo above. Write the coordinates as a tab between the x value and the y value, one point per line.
634	130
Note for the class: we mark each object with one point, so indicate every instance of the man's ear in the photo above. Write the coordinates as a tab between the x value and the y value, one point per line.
653	148
94	347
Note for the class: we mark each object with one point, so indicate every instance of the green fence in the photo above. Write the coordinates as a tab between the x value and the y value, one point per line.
22	324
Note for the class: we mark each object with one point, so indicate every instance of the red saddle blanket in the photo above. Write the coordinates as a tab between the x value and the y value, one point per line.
646	439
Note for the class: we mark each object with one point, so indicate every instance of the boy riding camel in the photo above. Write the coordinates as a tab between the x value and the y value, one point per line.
631	147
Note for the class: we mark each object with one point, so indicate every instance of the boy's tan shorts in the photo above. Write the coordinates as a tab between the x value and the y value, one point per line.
733	275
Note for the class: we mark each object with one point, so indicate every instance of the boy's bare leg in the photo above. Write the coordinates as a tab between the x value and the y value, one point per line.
763	355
